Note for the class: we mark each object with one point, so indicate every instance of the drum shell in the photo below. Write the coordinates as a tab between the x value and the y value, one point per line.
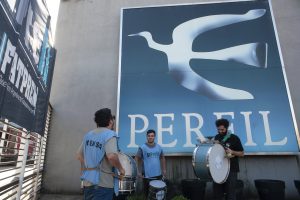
127	184
211	163
200	161
157	190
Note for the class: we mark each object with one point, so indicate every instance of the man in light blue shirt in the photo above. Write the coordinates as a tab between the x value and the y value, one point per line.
98	155
154	162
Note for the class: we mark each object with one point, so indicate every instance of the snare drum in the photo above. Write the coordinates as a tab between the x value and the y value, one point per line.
157	190
209	162
127	184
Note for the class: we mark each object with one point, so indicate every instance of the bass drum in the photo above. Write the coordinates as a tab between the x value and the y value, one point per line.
127	184
210	162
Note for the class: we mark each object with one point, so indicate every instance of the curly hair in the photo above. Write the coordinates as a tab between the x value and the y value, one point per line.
102	117
223	122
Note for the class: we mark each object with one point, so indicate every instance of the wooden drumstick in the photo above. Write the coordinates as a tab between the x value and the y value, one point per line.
116	175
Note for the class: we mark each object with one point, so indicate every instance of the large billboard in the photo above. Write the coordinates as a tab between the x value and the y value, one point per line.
26	62
184	66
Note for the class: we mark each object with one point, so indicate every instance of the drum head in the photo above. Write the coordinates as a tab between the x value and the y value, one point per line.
126	164
219	165
157	184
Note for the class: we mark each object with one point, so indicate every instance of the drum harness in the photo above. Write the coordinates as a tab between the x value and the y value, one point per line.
227	136
99	169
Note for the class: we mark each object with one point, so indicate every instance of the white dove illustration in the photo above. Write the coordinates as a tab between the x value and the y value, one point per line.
179	53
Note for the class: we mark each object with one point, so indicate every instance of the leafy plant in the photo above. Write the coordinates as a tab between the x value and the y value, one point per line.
179	197
136	197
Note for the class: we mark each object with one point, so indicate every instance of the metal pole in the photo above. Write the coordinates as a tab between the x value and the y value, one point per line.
38	169
21	177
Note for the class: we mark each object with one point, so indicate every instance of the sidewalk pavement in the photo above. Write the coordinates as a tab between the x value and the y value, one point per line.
60	197
70	197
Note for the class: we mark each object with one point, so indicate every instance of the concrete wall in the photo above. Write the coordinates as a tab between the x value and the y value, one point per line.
86	78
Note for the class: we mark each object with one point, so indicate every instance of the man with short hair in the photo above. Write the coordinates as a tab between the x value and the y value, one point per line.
154	163
234	149
98	155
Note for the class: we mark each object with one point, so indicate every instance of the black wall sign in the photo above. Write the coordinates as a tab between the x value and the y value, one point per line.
26	63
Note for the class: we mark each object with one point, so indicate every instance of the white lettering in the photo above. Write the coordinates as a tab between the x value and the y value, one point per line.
28	86
24	80
35	91
9	53
13	69
133	129
20	69
28	27
268	132
194	122
248	129
189	130
32	36
160	129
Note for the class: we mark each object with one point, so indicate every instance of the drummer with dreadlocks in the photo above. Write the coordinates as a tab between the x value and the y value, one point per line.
234	149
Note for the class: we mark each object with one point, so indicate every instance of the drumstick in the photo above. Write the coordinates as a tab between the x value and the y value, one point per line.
143	177
162	179
149	178
116	175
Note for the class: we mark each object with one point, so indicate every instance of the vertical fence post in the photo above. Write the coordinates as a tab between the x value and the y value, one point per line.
36	180
22	173
3	135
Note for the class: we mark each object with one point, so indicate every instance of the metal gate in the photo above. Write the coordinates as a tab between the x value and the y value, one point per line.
22	158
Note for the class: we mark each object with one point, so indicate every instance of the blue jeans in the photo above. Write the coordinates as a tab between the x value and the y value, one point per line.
97	193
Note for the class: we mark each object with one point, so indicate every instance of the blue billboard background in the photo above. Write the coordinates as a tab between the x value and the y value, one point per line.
154	96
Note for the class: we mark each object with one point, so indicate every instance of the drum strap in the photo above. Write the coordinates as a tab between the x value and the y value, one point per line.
114	175
89	169
96	168
226	137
